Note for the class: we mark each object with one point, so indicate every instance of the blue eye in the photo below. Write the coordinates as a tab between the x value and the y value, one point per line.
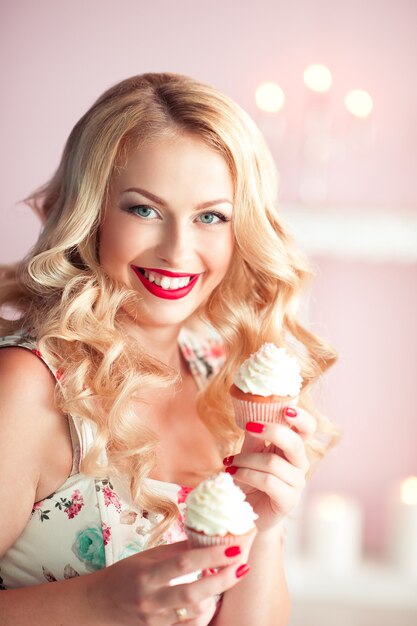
143	211
212	218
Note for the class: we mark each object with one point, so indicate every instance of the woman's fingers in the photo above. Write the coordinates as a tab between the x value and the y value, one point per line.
200	613
157	594
282	496
196	593
270	464
296	418
273	463
282	437
301	421
192	560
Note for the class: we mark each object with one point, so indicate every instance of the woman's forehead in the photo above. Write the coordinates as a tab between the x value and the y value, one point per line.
169	163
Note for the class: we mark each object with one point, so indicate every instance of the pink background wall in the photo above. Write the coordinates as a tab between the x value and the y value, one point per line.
56	57
368	312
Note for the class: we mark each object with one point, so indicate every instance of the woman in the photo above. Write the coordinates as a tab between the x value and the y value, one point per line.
161	265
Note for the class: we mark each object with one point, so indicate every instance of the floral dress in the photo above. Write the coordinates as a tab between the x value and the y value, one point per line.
88	524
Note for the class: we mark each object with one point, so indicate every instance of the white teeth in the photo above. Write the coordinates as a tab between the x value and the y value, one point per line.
165	282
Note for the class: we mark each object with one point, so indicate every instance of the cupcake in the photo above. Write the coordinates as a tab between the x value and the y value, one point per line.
267	382
217	512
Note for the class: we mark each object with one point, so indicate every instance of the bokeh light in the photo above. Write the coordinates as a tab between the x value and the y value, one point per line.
409	491
318	78
270	97
359	103
332	508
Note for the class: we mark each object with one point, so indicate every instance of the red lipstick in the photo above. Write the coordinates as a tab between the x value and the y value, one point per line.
166	294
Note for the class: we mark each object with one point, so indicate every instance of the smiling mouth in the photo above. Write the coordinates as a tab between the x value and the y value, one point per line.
166	284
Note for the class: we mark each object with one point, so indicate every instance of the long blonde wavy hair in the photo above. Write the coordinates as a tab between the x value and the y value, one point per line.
61	292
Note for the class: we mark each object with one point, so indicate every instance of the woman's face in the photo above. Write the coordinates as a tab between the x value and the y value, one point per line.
167	230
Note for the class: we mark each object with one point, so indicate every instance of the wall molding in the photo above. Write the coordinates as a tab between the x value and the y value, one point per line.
378	237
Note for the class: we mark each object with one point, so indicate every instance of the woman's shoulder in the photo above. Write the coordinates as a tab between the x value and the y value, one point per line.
26	340
21	368
27	386
29	416
20	356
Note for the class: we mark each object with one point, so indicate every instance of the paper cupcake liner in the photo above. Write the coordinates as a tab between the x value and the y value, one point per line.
199	540
246	411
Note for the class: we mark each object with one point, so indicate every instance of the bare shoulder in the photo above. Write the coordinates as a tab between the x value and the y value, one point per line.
20	369
28	415
29	425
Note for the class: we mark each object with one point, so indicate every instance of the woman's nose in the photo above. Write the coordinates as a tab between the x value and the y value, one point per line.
175	246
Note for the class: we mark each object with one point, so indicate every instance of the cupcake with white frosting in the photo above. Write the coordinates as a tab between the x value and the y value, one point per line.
217	512
265	384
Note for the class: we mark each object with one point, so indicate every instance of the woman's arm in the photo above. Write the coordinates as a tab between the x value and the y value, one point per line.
65	603
31	433
135	591
35	445
271	469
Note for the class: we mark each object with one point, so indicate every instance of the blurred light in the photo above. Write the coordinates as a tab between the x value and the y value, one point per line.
359	103
409	491
270	97
318	78
332	508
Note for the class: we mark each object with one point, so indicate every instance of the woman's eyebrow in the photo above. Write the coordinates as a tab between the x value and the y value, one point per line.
151	196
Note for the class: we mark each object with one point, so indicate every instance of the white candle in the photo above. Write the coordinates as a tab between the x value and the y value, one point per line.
403	527
334	532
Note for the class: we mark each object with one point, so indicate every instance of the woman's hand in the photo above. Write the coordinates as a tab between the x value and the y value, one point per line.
272	465
138	590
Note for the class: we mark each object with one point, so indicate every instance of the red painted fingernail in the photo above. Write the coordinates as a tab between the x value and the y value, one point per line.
231	470
242	570
228	460
212	571
290	412
255	427
232	551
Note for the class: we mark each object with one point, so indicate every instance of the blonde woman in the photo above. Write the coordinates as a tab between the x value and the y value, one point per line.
161	265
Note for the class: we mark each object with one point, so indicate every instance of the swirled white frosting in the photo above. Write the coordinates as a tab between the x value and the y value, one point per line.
269	372
217	506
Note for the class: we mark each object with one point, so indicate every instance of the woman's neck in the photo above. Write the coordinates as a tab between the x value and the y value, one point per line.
160	342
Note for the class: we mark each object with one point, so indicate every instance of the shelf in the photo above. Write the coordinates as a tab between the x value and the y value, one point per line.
372	584
313	614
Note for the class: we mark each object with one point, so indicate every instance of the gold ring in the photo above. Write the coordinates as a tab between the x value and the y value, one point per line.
182	614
